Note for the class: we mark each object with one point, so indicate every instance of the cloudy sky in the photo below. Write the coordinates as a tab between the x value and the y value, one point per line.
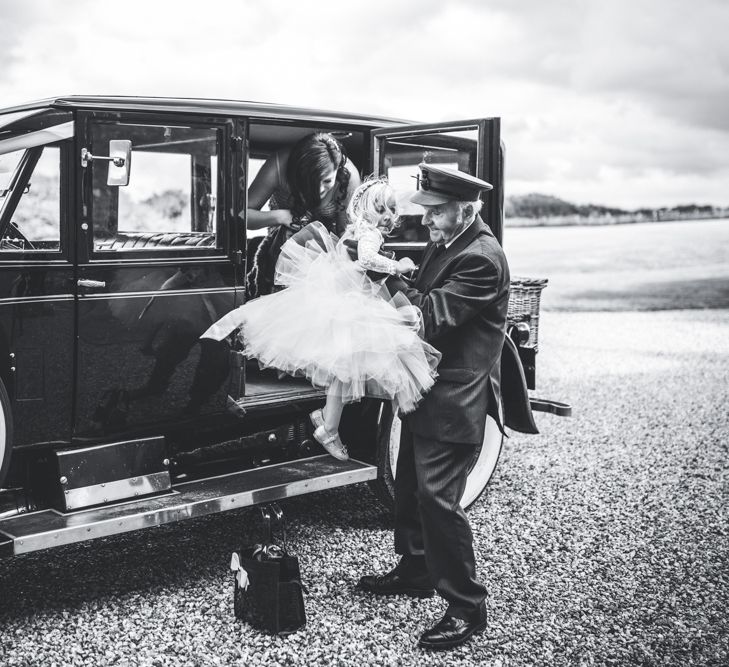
622	102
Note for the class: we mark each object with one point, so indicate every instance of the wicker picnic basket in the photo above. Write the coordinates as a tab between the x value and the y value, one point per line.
524	298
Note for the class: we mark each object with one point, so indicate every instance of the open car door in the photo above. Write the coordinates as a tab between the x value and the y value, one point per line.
472	146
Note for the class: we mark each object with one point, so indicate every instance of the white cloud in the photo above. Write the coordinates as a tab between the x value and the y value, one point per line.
596	97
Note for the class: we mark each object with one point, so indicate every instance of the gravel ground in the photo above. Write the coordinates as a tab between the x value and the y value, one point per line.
603	541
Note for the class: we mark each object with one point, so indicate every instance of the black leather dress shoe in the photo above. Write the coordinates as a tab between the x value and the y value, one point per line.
452	631
393	583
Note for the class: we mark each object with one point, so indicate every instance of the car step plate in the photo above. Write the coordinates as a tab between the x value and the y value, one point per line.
24	533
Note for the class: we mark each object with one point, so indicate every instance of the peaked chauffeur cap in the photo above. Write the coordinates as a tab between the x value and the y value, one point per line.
438	185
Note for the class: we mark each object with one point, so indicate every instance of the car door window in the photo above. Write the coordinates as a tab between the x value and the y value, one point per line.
35	222
400	157
171	201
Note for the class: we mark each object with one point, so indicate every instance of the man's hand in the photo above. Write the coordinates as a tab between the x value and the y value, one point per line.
405	265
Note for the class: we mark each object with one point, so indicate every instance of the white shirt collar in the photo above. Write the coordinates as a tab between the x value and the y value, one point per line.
448	245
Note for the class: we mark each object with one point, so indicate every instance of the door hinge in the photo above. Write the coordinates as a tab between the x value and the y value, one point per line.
237	144
238	258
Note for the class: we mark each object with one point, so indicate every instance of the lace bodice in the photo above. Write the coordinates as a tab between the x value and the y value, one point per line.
369	241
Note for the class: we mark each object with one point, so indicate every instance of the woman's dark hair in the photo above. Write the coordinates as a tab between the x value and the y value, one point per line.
310	159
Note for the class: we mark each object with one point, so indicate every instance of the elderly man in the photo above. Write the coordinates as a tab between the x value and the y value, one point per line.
462	290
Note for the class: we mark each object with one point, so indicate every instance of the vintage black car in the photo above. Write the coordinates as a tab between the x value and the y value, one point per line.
122	238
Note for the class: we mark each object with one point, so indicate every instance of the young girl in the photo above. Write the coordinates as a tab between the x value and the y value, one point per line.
334	324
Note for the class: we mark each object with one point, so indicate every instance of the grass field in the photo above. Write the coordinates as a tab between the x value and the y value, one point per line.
646	266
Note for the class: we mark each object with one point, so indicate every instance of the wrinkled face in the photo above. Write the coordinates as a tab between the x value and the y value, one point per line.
444	222
327	182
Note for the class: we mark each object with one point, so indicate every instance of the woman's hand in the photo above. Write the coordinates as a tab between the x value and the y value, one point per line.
283	218
405	265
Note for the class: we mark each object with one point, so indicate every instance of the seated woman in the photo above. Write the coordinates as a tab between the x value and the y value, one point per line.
312	180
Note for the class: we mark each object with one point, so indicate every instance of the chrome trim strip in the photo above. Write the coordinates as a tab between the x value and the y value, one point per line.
418	129
47	528
198	106
36	299
170	292
120	489
26	259
214	107
117	258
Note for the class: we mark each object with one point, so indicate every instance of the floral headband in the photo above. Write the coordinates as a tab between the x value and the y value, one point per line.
366	186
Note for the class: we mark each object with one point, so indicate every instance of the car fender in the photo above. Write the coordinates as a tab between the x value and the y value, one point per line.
514	393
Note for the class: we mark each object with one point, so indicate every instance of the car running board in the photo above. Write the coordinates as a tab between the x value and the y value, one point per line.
32	531
554	407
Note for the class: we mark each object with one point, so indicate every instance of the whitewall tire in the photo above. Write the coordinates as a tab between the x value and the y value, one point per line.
482	468
6	432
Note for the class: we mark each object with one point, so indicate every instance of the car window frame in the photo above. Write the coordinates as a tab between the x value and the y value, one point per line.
24	175
489	163
224	224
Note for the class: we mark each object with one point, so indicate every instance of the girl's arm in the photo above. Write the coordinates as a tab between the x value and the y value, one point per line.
368	249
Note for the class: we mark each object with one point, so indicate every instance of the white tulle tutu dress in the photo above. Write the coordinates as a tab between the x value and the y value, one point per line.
332	322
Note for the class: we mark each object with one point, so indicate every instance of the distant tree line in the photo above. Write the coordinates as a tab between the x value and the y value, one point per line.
539	209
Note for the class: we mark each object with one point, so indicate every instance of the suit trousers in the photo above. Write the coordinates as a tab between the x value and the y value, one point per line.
429	520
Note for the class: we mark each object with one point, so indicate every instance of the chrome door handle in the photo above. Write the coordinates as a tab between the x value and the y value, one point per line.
91	284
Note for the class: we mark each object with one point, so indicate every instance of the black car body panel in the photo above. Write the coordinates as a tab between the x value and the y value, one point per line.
106	287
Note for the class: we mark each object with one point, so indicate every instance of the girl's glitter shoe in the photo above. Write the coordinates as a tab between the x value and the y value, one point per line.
332	443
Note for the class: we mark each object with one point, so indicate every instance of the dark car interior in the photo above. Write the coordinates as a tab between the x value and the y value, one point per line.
264	140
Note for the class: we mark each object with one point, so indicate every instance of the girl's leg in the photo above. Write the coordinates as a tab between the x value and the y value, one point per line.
333	407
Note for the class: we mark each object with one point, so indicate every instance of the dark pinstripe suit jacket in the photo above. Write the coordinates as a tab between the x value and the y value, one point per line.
463	294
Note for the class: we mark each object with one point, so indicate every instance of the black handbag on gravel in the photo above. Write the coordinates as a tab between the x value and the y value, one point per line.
269	593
